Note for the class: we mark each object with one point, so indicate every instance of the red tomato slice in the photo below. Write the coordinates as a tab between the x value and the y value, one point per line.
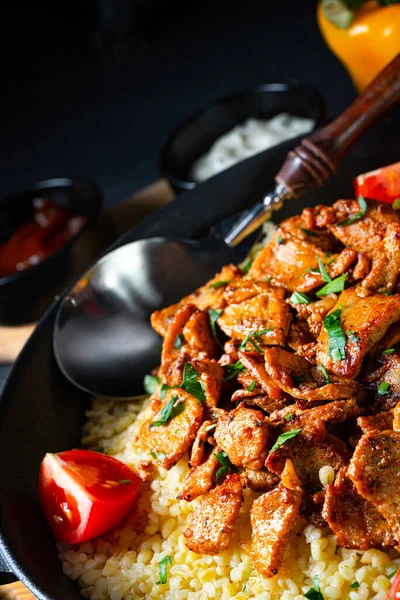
85	494
394	592
382	184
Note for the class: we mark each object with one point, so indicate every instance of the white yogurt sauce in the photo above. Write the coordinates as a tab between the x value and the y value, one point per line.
254	136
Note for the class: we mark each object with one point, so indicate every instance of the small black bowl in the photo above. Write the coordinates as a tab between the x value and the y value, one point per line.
195	136
25	295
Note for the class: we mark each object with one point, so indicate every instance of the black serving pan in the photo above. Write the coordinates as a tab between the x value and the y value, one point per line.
40	411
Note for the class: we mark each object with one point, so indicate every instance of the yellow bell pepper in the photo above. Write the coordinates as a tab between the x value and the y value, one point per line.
368	44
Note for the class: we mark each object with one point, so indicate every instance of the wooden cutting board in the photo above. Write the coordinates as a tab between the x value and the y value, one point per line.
12	339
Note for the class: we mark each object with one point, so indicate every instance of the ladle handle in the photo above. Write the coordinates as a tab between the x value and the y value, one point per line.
316	158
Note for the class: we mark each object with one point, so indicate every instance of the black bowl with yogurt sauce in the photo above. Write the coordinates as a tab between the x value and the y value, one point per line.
195	136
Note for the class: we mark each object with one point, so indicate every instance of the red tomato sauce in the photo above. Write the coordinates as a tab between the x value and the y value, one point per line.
50	227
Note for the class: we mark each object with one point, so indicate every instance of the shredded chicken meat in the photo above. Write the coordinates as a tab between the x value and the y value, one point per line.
273	374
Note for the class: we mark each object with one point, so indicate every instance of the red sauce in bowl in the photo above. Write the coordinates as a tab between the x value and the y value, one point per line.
50	227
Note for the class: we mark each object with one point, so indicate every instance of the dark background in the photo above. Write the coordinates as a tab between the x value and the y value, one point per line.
93	87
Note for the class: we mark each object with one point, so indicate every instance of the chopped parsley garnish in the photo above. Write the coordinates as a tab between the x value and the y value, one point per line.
218	284
249	339
164	390
232	370
309	233
246	581
363	209
125	481
315	271
170	410
246	267
252	386
323	271
389	351
299	298
162	568
392	574
336	337
223	459
214	315
396	204
191	384
285	437
389	293
268	280
384	388
354	585
353	338
324	372
210	427
158	455
151	384
289	416
179	341
280	240
314	593
334	286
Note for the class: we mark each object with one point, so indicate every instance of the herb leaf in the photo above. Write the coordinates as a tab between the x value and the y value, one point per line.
217	284
353	338
354	585
336	337
170	410
246	267
179	341
384	388
158	455
164	390
334	286
223	459
299	298
214	315
285	437
191	384
363	209
125	481
210	427
309	233
389	351
314	593
252	386
396	204
323	271
162	568
150	384
324	372
232	370
249	339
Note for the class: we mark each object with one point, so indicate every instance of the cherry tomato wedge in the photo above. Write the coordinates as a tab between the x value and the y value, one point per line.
85	494
394	592
382	184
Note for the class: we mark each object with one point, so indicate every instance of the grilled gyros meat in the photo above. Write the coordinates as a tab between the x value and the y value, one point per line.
277	373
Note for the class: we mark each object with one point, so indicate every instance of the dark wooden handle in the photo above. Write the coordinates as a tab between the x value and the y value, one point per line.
317	157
